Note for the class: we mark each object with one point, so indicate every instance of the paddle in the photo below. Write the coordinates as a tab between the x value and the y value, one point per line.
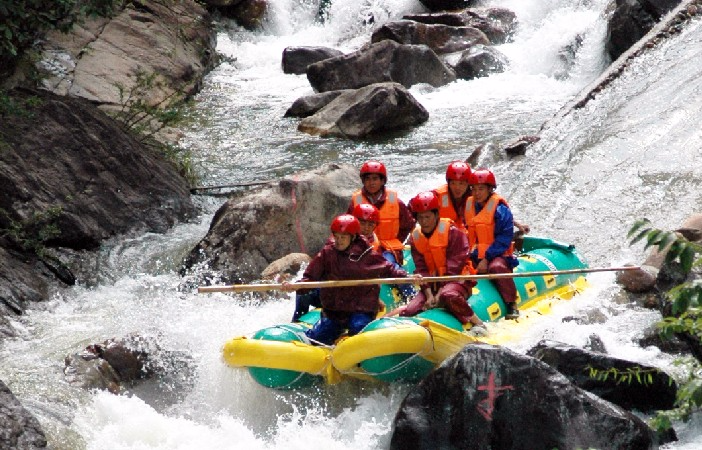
409	280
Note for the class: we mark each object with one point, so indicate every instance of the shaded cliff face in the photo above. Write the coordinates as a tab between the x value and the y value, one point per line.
71	177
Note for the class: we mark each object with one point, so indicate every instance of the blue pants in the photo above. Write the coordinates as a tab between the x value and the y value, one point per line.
303	303
327	330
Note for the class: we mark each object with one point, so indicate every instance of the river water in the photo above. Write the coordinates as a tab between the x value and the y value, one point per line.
632	152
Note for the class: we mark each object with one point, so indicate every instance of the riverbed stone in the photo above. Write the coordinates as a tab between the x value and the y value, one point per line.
489	397
310	104
254	228
385	61
371	110
440	38
498	24
297	59
19	429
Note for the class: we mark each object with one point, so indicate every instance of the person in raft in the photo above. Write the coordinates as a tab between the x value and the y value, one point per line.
395	221
348	256
369	217
454	195
490	234
439	248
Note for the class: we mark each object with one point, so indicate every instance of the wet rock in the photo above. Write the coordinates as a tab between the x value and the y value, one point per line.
631	20
519	146
488	397
310	104
371	110
639	280
498	24
627	384
285	268
247	13
297	59
385	61
652	337
478	61
440	38
254	228
18	428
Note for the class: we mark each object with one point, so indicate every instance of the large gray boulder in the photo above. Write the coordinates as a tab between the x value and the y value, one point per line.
488	397
255	228
18	428
446	5
378	63
371	110
310	104
440	38
478	61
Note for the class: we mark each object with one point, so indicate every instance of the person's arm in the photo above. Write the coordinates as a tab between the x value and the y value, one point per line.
407	222
504	232
523	228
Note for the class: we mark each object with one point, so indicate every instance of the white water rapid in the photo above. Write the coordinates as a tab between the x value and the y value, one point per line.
632	152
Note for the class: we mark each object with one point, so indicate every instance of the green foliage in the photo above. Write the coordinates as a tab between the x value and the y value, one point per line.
32	233
686	300
144	118
24	21
10	106
638	374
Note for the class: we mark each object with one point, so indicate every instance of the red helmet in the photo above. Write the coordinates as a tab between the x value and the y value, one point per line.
366	211
458	170
483	176
369	167
424	201
345	223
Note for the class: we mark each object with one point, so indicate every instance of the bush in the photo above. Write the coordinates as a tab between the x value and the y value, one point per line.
686	303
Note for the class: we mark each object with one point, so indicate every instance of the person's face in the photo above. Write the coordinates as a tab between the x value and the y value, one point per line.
373	182
342	241
427	221
367	227
481	192
457	188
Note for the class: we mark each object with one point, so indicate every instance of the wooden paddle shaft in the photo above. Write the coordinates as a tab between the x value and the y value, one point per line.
409	280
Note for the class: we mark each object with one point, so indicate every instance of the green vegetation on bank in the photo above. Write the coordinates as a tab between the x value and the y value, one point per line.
686	309
25	21
31	234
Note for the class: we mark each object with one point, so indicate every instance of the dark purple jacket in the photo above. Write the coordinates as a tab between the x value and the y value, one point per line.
357	262
456	256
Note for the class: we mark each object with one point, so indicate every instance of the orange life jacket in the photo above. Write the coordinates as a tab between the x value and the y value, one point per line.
433	248
389	225
446	209
481	226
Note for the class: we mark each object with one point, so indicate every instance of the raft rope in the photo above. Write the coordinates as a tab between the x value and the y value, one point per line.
400	365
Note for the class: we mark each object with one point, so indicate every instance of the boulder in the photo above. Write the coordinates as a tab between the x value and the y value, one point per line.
254	228
631	20
297	59
478	61
488	397
247	13
378	63
440	38
18	428
628	384
310	104
173	40
498	24
371	110
285	268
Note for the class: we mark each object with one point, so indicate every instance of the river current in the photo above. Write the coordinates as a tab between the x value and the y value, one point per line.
632	152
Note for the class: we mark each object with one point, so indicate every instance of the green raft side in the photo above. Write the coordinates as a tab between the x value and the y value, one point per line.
280	378
538	254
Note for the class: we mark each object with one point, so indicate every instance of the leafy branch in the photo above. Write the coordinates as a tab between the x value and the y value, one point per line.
642	376
32	233
686	299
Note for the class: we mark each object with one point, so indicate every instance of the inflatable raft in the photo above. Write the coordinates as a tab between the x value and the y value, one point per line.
405	349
